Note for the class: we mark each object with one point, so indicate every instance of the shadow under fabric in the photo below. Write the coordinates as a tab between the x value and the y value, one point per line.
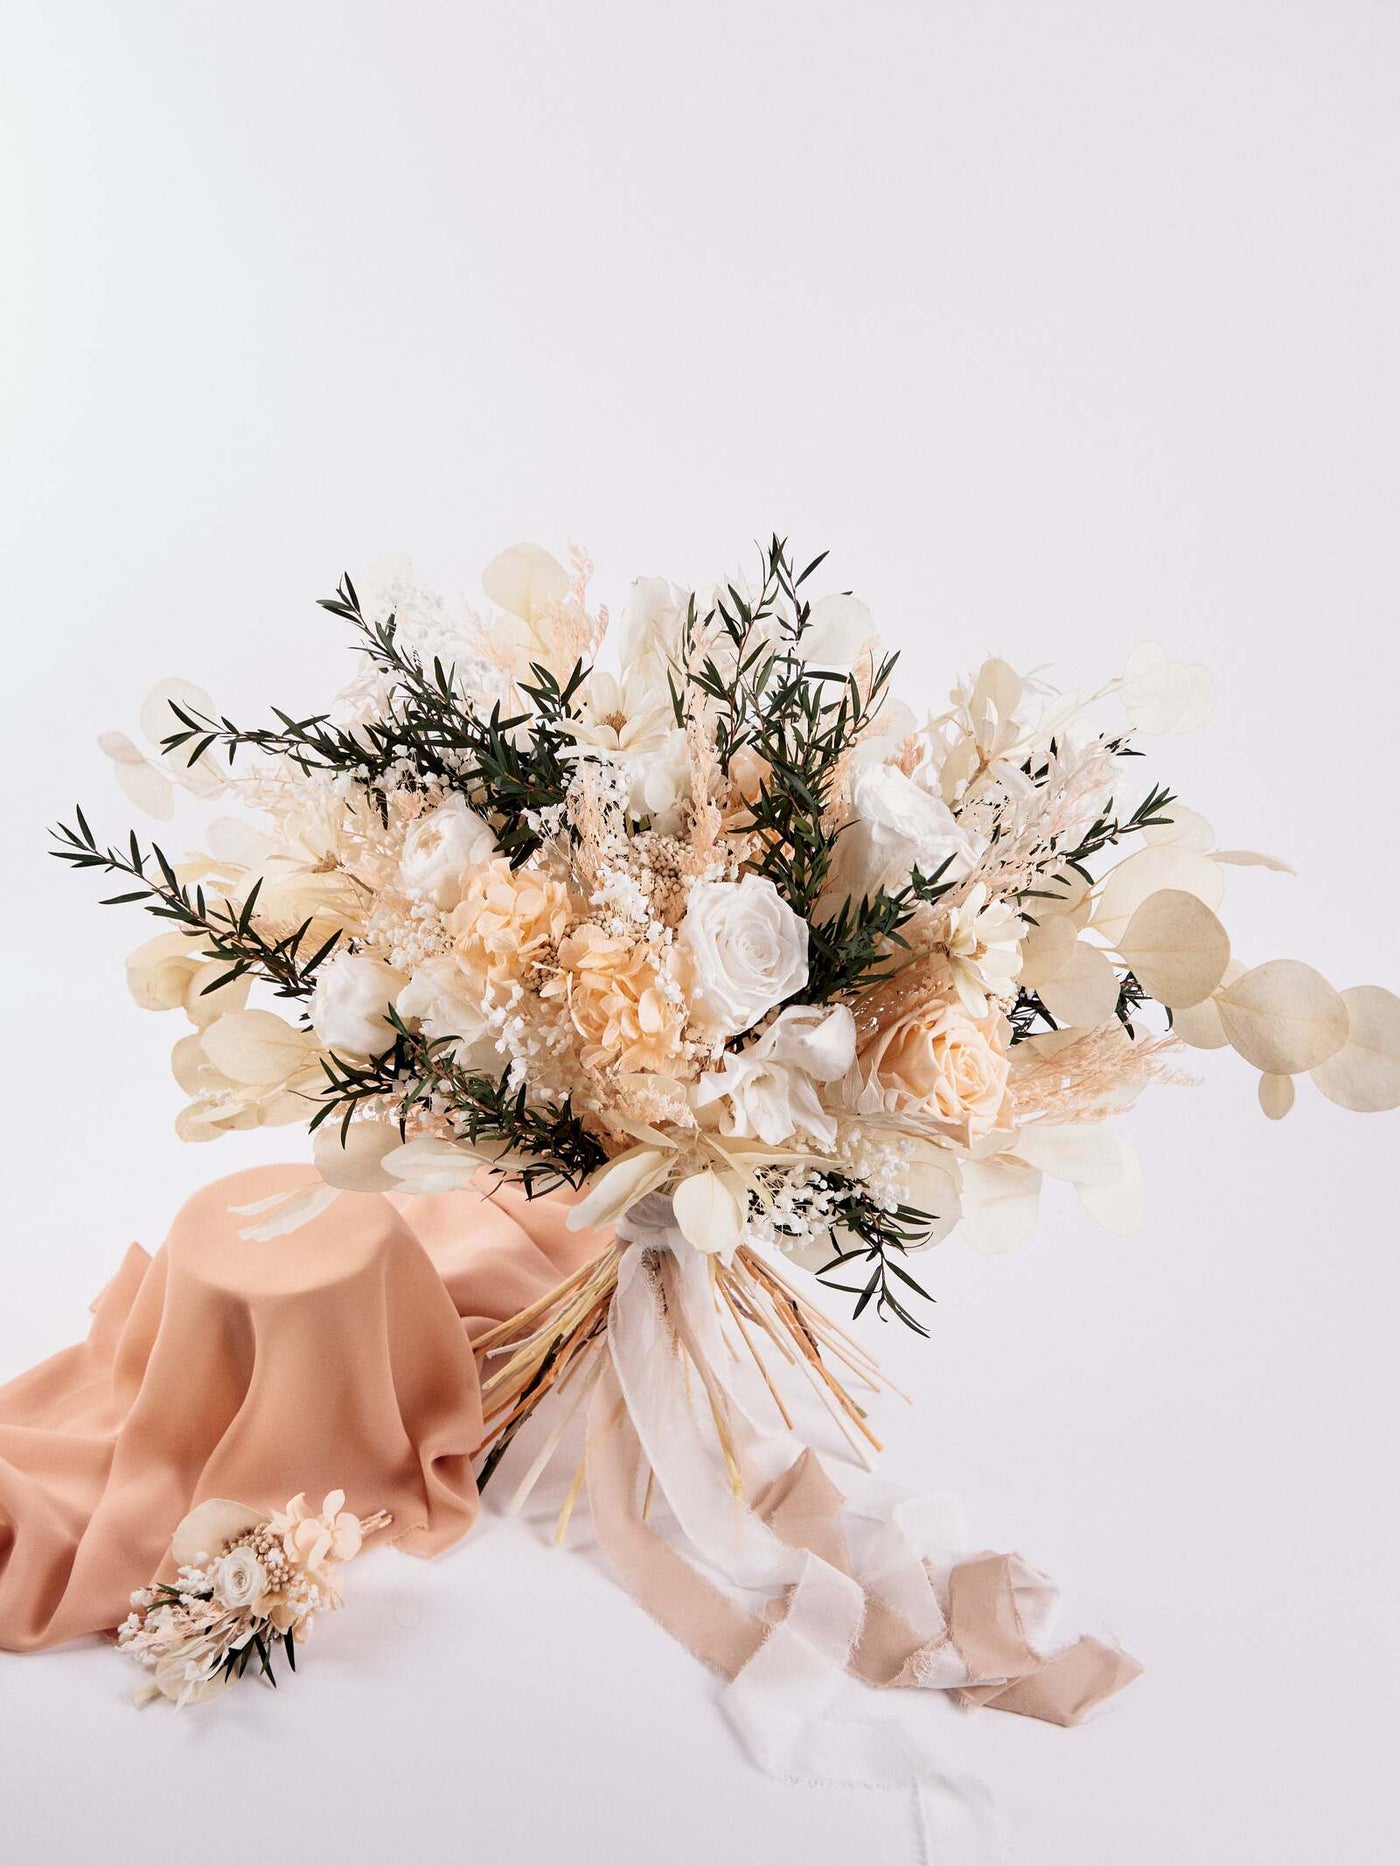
338	1356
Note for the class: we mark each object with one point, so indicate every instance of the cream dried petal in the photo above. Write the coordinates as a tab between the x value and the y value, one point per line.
258	1047
287	1212
1283	1017
1176	947
1117	1206
709	1213
625	1179
1276	1095
1364	1075
210	1527
525	580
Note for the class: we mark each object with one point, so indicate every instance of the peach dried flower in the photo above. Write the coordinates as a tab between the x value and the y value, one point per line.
615	989
509	922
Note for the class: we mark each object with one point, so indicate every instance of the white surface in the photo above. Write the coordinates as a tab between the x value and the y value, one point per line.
1062	326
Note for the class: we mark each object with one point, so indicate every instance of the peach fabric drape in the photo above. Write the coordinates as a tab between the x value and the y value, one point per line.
338	1356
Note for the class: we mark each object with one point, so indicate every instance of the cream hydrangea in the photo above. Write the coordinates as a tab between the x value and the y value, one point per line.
509	922
627	1010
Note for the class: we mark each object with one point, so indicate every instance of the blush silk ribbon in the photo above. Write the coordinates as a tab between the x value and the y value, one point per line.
872	1583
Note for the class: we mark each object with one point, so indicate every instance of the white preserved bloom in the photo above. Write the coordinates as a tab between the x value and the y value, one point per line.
748	950
650	627
984	945
439	850
438	998
239	1578
770	1090
349	1005
630	722
897	826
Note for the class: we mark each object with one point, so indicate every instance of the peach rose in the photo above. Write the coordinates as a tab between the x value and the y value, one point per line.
617	1001
509	920
939	1062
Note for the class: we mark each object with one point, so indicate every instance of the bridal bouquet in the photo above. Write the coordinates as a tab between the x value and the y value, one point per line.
692	915
693	905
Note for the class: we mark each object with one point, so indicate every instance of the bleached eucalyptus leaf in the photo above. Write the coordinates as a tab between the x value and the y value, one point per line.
1283	1017
931	1186
1046	950
1000	1200
1250	858
1186	829
1117	1206
1176	947
1364	1075
150	790
159	722
120	749
358	1164
1162	695
1199	1026
1084	992
837	629
428	1164
1276	1095
1083	1154
1127	886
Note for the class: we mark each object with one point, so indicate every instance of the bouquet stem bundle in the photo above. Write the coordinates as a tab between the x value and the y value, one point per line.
561	1343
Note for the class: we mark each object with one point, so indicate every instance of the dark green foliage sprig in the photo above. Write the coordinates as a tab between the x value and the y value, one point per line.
261	1645
801	721
226	931
881	1239
507	766
548	1143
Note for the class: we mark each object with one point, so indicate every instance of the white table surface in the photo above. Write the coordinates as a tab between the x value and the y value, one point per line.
1063	327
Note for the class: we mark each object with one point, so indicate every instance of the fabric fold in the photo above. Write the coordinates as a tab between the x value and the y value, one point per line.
336	1356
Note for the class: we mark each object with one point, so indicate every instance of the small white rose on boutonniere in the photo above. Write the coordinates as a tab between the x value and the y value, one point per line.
239	1578
245	1584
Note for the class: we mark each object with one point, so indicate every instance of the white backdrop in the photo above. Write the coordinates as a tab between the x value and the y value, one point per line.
1063	326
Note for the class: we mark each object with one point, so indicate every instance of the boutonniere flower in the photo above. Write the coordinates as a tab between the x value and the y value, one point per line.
246	1583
